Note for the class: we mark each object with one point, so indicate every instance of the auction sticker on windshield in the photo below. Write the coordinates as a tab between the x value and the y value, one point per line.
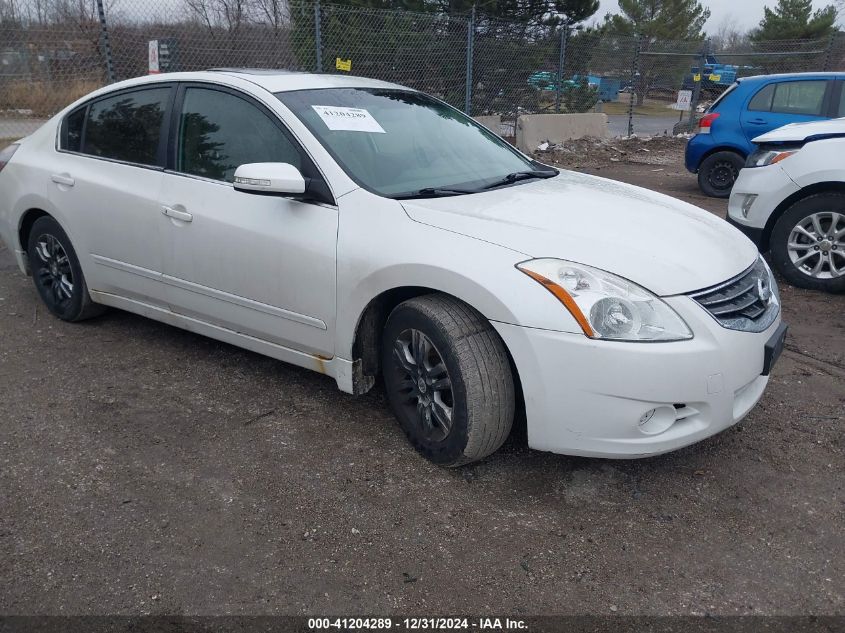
348	119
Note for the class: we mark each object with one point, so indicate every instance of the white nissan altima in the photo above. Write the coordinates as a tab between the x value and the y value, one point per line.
366	230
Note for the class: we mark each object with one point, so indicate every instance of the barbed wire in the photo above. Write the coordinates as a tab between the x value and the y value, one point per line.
54	51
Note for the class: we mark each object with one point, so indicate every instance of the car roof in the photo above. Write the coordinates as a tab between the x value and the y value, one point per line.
764	78
282	80
273	80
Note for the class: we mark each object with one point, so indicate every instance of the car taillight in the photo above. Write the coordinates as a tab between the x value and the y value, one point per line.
706	121
6	154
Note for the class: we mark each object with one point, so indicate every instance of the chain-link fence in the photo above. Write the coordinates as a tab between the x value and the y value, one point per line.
53	51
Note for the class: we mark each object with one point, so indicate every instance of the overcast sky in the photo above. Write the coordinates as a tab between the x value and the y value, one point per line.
745	14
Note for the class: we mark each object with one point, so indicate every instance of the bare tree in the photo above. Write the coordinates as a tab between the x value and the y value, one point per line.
81	14
227	14
9	12
276	13
202	10
729	38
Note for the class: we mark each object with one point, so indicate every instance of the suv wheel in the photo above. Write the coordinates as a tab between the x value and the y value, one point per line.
718	173
808	243
448	379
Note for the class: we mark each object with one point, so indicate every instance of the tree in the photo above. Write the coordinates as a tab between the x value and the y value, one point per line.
546	12
658	24
795	20
578	96
659	19
728	37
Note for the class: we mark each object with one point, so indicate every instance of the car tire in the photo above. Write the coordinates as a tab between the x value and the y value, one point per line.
807	264
448	379
718	173
56	272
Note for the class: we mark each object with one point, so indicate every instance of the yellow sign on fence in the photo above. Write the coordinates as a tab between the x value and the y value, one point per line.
696	77
343	64
715	77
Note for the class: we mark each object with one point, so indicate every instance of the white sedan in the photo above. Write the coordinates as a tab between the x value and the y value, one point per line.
790	200
365	230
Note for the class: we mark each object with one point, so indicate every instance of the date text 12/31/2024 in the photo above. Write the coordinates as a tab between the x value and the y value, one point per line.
417	624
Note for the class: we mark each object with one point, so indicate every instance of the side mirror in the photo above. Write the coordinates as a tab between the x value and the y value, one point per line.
269	178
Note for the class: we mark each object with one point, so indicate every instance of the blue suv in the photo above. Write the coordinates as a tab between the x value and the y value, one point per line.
753	106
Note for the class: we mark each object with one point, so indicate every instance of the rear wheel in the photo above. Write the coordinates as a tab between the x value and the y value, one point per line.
448	379
56	272
718	173
808	243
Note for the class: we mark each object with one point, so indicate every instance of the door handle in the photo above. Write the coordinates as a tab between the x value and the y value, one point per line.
176	214
60	179
758	121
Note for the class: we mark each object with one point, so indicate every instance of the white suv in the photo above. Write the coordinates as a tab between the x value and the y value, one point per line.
369	231
790	200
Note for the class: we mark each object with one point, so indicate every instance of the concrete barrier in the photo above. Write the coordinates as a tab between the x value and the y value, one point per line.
492	121
533	129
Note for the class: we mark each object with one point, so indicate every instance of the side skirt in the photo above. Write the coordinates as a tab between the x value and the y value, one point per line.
342	370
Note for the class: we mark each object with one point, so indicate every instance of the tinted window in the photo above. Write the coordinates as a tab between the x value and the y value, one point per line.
219	132
762	101
799	97
127	126
73	130
842	101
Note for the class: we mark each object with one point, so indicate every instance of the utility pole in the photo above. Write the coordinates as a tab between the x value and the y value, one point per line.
318	35
696	91
564	36
106	44
470	46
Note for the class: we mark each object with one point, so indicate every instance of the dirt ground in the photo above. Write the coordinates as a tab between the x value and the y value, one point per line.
145	470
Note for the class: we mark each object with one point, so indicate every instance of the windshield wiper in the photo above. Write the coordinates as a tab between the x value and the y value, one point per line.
435	192
440	192
522	175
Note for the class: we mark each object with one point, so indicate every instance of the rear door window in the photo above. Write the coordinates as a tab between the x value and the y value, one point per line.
73	130
791	97
841	112
799	97
127	127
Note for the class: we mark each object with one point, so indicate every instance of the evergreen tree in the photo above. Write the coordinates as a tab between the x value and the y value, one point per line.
659	19
654	22
795	20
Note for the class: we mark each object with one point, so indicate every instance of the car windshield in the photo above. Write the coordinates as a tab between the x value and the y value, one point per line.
400	143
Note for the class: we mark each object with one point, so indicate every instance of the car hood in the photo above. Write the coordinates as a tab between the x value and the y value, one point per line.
665	245
799	132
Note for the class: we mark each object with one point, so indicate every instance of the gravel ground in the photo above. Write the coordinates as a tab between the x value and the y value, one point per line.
144	469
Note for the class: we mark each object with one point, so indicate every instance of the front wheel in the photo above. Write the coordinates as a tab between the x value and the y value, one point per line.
718	173
808	243
448	379
57	274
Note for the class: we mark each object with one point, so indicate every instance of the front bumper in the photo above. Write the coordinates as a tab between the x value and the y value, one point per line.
758	191
589	397
751	232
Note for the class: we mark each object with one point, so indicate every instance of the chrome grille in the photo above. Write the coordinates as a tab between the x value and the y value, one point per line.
748	302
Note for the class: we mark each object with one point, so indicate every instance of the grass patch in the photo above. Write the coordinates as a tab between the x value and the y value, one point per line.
42	99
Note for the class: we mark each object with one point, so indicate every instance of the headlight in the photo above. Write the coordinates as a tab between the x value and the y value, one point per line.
764	157
607	306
